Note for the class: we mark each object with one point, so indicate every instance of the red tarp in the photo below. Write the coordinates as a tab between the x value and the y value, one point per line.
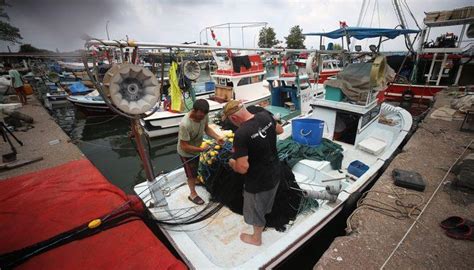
39	205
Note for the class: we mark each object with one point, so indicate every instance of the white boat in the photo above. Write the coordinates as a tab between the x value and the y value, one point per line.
374	130
92	104
245	85
55	99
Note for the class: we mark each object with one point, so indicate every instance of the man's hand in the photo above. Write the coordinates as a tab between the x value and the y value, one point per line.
232	163
241	165
220	140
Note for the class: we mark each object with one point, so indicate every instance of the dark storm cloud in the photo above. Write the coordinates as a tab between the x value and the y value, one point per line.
59	24
189	2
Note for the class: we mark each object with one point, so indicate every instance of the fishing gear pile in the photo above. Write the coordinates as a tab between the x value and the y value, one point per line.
292	152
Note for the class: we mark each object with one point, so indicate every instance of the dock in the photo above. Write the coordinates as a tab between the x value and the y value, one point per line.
396	240
46	139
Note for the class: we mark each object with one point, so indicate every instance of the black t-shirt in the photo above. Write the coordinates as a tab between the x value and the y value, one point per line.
256	138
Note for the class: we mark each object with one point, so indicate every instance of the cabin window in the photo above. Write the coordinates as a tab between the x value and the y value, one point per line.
369	116
244	81
345	128
224	82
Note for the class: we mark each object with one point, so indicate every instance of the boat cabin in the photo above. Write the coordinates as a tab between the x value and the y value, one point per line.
238	77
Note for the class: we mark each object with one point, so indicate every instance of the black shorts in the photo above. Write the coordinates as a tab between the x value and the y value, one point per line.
191	165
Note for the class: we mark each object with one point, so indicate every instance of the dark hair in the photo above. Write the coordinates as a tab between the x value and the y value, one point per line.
201	105
7	65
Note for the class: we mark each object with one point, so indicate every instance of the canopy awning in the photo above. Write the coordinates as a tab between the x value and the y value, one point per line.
364	32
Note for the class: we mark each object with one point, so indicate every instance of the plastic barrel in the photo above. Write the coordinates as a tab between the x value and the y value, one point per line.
307	131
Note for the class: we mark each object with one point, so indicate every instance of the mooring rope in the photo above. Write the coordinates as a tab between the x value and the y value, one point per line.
426	205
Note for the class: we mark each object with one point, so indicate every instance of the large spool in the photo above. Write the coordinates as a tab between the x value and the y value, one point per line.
191	69
132	89
312	64
377	72
108	77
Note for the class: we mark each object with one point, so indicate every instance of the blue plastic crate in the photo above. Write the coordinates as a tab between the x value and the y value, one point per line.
357	168
209	86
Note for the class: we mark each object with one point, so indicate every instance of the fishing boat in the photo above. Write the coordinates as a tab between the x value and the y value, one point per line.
232	81
438	64
329	67
91	104
370	134
56	99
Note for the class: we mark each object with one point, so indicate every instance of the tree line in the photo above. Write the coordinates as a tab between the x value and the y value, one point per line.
294	40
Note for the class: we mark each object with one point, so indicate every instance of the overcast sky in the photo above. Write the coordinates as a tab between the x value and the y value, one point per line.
52	24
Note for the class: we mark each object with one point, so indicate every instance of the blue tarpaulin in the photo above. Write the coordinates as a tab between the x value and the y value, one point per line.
364	32
78	88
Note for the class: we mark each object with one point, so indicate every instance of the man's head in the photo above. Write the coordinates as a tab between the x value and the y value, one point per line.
200	109
7	66
236	112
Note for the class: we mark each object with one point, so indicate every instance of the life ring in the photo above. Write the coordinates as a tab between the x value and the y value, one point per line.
311	64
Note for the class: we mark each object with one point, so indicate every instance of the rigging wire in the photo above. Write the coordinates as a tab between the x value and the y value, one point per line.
411	14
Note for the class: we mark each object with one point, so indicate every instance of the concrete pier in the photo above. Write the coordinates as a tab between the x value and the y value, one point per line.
45	140
381	240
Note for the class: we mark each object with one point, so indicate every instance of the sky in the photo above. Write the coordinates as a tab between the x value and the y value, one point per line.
59	24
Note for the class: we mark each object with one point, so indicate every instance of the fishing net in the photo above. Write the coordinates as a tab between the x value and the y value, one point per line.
226	186
292	152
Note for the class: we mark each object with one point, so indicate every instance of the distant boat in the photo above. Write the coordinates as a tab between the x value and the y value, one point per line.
245	84
91	104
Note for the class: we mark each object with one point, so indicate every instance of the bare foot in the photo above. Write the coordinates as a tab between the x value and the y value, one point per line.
250	239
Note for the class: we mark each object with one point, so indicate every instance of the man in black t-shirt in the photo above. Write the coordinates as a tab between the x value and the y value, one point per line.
253	109
255	157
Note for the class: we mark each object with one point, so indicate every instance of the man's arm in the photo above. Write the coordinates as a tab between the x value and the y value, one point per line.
240	165
189	148
212	133
278	129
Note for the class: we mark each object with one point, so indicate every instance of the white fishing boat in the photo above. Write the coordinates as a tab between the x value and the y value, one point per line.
242	83
368	133
92	104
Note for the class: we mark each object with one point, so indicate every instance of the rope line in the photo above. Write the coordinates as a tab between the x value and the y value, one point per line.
426	205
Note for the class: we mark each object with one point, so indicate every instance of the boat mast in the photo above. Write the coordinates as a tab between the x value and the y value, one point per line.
403	23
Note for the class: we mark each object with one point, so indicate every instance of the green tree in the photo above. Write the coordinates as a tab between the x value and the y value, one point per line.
267	38
337	47
27	48
295	40
7	31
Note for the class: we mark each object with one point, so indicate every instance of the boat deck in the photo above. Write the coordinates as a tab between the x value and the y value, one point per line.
215	243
